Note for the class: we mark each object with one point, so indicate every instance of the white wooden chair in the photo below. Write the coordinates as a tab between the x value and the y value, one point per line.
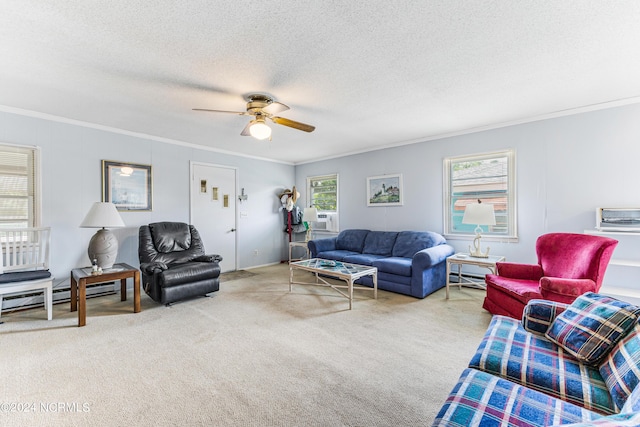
24	263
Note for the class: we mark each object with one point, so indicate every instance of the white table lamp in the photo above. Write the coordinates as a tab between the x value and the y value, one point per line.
103	246
479	214
309	215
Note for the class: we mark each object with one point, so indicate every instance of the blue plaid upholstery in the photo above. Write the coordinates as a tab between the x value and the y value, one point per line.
619	420
621	368
592	325
538	315
482	399
508	351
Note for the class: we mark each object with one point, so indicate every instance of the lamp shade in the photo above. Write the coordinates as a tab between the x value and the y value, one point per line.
479	214
102	215
259	129
310	214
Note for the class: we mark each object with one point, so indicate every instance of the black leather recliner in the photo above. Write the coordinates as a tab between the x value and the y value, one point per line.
173	263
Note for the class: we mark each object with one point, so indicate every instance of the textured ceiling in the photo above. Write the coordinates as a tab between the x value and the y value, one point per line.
367	74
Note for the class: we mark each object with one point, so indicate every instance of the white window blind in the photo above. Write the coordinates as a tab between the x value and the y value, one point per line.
19	168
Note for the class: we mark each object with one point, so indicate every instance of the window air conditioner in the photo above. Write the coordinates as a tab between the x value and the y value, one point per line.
618	219
327	221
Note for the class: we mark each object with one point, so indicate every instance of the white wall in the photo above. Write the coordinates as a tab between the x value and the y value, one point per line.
566	167
71	181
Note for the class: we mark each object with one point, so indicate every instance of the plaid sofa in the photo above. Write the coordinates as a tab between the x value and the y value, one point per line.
520	377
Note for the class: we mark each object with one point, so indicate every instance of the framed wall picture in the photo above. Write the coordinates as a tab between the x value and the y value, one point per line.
384	190
127	185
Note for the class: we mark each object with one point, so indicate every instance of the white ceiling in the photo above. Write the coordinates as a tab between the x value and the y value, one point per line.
367	74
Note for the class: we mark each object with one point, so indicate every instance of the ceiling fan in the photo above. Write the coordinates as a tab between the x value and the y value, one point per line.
263	107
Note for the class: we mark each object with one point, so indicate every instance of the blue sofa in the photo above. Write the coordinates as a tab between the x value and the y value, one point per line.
408	262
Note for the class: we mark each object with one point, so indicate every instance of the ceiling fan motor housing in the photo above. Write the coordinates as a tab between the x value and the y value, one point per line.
257	103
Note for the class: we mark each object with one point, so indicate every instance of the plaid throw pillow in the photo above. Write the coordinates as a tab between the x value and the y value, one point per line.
620	370
592	325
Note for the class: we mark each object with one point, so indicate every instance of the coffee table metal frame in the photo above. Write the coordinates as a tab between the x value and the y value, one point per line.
337	270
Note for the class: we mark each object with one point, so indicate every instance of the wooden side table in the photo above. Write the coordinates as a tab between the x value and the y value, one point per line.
463	259
81	277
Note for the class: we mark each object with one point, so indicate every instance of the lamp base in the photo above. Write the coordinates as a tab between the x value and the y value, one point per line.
476	252
103	247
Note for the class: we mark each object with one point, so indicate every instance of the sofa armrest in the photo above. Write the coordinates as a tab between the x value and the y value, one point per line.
429	257
565	290
519	271
539	314
321	245
208	258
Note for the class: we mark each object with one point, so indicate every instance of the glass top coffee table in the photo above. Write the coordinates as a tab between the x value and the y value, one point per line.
337	270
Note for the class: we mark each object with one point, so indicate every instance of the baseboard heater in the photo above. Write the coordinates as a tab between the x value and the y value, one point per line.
453	275
60	295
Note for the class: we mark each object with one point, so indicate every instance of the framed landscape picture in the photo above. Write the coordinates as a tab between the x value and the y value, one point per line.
127	185
384	190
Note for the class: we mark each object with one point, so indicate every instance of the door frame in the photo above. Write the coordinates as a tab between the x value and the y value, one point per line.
235	199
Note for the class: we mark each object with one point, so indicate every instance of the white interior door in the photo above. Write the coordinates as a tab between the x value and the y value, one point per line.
213	210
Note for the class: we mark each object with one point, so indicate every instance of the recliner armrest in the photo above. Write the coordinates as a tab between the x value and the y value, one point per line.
515	270
208	258
565	290
151	268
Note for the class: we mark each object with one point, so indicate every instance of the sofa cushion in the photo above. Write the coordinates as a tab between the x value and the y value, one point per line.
362	259
509	351
24	276
592	325
394	265
519	289
409	242
481	399
337	255
351	240
379	242
621	367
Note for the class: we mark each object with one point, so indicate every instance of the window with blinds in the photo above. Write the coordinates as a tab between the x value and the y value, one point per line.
19	168
323	192
489	178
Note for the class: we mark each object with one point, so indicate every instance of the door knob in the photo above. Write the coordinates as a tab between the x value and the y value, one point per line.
232	230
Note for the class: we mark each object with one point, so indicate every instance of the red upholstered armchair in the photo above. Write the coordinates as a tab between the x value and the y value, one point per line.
568	265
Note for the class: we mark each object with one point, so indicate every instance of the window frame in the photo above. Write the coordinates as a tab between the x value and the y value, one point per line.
319	178
511	234
34	185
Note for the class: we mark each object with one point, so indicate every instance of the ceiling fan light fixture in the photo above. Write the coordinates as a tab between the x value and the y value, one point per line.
259	129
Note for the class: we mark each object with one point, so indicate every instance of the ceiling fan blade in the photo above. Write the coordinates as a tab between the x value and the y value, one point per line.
240	113
293	124
275	108
245	131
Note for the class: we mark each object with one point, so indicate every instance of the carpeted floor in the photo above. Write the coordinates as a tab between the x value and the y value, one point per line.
236	275
253	354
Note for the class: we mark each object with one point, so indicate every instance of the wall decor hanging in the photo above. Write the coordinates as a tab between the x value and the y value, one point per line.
127	185
384	190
